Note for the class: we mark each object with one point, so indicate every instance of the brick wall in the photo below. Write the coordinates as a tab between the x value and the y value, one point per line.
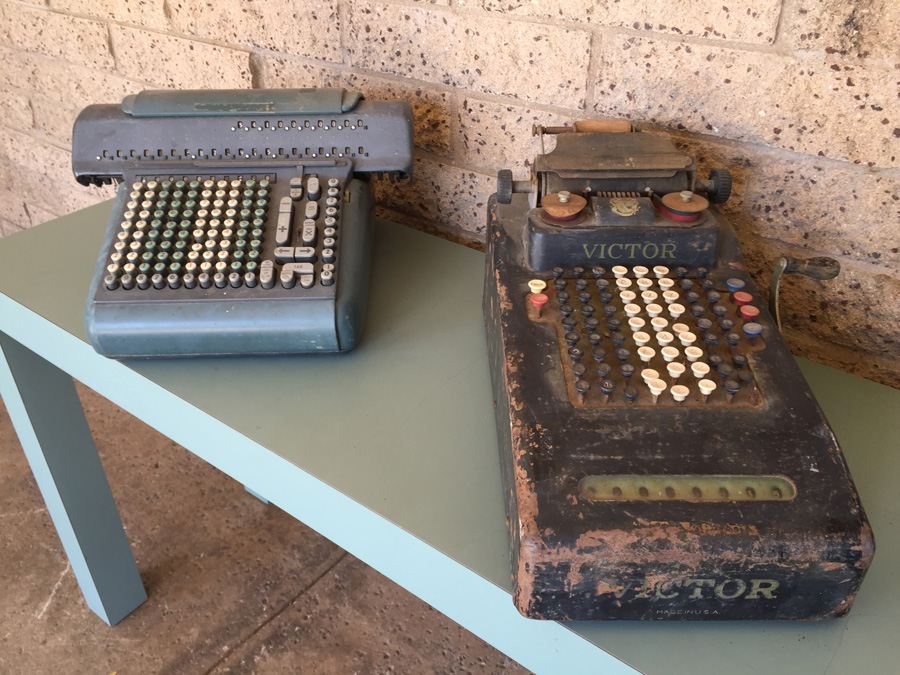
797	97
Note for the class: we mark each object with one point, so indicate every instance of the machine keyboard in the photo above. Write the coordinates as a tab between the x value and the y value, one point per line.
641	337
220	232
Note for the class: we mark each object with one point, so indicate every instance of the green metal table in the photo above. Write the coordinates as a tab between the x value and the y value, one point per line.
390	452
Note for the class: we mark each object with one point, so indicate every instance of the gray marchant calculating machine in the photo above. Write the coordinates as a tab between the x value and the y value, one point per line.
242	222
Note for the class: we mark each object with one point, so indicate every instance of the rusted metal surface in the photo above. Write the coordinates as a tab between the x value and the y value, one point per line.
580	558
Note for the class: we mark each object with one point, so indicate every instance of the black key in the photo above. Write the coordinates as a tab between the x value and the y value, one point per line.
595	338
579	369
603	370
557	272
598	271
599	354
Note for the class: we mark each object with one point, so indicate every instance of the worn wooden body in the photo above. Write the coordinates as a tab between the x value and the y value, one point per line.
578	558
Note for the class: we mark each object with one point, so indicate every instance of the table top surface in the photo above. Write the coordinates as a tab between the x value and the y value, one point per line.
404	426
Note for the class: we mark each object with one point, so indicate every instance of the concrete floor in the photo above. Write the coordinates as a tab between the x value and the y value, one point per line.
235	586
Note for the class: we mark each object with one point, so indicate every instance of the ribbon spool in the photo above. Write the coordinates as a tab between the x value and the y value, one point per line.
684	206
563	205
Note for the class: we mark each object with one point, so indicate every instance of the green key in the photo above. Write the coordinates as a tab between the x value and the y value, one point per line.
194	184
252	255
177	194
184	234
251	266
165	185
244	214
147	256
150	245
259	222
172	214
192	194
179	185
162	257
156	223
163	194
185	224
250	183
259	213
190	203
178	256
159	268
257	233
175	267
262	203
264	183
144	268
241	233
238	255
262	193
235	266
168	234
255	244
240	244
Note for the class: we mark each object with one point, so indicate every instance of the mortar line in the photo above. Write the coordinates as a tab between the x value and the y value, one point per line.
276	614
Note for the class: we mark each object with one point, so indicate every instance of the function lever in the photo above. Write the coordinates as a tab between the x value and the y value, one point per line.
819	268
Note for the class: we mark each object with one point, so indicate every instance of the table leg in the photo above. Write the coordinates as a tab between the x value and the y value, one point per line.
45	410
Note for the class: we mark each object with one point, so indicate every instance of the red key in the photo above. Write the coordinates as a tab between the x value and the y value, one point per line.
742	297
749	312
538	300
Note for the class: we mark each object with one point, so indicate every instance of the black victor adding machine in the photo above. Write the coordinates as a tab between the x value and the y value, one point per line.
664	457
242	222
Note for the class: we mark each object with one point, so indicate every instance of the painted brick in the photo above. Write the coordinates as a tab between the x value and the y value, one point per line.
814	105
534	62
300	28
431	107
15	109
39	214
15	214
43	173
736	20
176	62
286	73
864	364
76	40
807	202
868	29
59	80
146	13
454	199
495	136
54	118
858	309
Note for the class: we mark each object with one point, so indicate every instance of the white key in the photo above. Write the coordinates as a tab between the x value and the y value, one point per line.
654	310
632	310
693	353
628	296
669	353
649	374
646	354
706	387
312	210
666	284
687	338
639	271
636	323
664	337
644	284
641	338
623	283
649	296
660	271
700	369
679	328
658	323
619	271
679	392
676	310
675	370
670	297
537	285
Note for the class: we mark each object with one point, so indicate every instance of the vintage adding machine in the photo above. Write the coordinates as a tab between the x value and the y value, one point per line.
663	456
242	222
